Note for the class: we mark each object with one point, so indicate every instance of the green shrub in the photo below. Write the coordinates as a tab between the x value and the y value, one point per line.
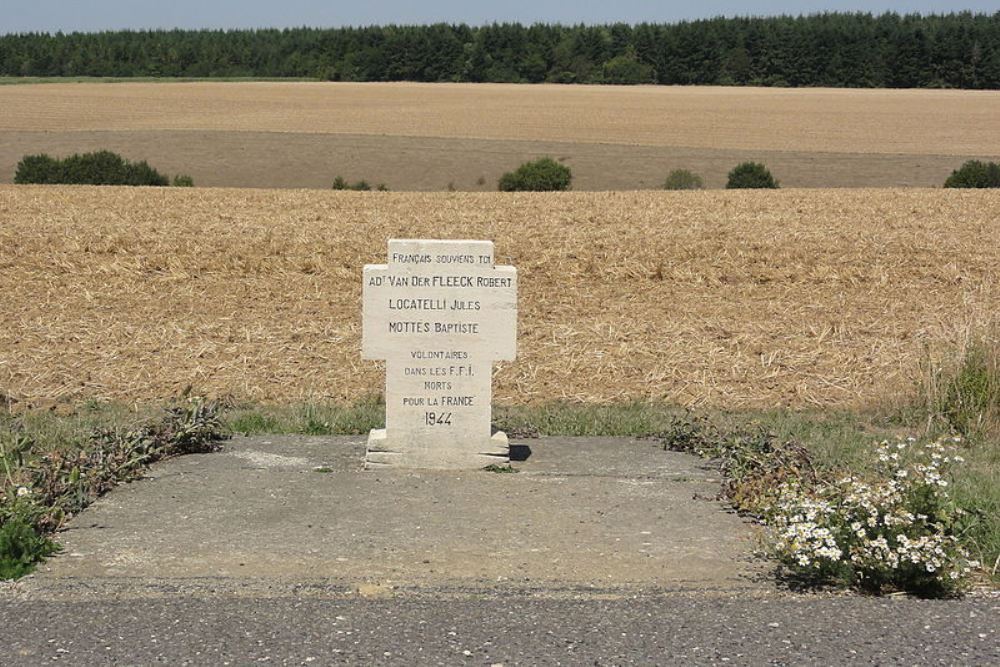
975	174
750	175
340	183
42	169
21	548
542	175
140	173
682	179
99	168
183	181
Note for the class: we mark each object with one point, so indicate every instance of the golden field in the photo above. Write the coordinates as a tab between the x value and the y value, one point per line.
728	298
817	120
427	136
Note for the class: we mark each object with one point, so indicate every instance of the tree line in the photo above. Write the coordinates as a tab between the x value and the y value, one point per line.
958	50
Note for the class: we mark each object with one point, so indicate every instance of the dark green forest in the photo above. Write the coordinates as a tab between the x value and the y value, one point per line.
960	50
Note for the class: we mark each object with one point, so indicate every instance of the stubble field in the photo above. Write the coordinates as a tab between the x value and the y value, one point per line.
731	299
432	136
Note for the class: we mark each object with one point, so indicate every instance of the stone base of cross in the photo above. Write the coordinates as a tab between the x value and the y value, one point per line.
439	314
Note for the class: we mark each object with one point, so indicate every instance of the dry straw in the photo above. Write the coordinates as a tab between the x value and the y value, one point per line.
736	299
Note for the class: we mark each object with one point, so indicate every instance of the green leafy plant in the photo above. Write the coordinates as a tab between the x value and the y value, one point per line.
682	179
183	181
541	175
975	174
22	548
751	175
893	527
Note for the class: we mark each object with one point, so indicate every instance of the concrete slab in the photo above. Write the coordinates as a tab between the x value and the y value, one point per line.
277	514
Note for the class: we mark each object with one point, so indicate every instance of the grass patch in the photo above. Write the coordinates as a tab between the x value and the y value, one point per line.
632	419
66	429
963	393
311	418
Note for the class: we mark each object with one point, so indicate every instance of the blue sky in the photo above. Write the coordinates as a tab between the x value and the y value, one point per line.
90	15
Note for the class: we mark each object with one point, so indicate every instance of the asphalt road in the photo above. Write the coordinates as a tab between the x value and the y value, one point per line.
492	630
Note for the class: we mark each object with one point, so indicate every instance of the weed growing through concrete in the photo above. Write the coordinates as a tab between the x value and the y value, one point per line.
752	459
45	482
494	467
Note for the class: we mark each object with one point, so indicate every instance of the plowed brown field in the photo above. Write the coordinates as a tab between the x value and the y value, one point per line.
425	136
736	299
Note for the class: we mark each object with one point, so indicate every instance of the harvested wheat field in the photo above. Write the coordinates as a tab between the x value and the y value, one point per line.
735	299
429	136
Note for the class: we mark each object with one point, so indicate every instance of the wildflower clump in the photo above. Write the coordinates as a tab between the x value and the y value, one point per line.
896	531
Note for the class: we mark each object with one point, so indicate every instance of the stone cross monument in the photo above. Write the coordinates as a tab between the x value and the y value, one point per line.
439	314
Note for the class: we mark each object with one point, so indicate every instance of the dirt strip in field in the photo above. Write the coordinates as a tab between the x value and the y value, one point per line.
298	160
464	136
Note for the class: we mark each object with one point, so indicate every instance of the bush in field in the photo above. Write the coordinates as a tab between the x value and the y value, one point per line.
183	181
340	183
682	179
99	168
975	174
39	169
542	175
750	175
